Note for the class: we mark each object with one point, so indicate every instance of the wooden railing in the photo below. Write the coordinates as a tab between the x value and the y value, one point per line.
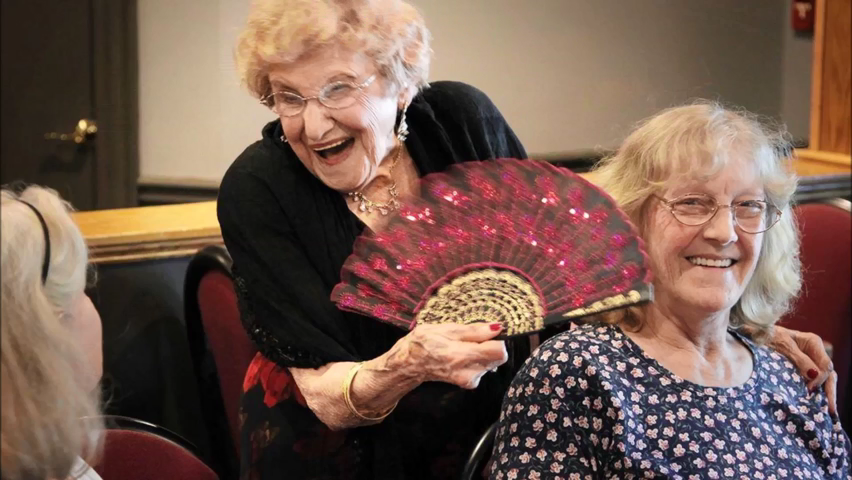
144	233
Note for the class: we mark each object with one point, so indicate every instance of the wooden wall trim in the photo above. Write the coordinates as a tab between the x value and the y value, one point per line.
116	88
816	74
831	78
825	157
151	250
836	81
813	162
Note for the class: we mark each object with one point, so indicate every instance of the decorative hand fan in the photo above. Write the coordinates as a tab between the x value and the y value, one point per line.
518	242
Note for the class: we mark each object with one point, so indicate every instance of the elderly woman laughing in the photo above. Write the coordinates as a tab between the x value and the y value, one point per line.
356	129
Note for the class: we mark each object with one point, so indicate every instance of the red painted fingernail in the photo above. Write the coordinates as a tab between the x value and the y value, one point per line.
495	327
812	373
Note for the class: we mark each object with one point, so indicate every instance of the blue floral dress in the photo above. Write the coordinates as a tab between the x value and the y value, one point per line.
590	404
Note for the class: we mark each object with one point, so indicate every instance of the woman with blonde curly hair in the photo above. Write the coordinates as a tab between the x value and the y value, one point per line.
673	389
50	362
334	394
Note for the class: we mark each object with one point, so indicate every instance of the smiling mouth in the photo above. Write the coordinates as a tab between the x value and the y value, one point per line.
334	149
712	263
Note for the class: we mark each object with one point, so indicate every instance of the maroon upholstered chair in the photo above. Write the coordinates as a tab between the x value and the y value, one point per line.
232	349
825	304
220	347
137	450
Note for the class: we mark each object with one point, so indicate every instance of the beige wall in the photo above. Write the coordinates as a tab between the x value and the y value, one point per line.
796	80
569	75
194	118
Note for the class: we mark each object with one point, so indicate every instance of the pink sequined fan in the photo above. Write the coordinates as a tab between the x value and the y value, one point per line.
519	242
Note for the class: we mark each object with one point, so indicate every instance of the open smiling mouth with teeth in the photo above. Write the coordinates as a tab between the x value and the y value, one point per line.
712	263
334	148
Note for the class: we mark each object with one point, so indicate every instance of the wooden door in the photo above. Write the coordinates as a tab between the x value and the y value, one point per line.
68	98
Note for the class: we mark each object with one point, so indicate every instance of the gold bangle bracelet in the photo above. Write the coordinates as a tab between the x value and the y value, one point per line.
347	399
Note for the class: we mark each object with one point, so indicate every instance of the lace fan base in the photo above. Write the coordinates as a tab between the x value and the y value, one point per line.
486	295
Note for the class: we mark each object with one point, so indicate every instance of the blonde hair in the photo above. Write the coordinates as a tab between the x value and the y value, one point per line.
697	141
43	400
391	32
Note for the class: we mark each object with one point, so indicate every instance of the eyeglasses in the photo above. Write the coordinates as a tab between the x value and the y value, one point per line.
335	95
693	209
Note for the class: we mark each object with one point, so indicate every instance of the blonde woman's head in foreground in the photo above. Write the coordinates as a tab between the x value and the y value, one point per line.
51	359
732	156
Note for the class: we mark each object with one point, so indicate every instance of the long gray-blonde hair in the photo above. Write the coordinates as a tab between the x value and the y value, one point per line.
697	141
44	403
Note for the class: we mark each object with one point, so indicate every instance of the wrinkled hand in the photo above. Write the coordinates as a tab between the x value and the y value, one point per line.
457	354
807	353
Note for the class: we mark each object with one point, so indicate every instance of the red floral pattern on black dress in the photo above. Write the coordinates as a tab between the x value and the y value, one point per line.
278	430
277	383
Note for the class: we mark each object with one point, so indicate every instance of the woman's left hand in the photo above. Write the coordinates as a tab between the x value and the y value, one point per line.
807	352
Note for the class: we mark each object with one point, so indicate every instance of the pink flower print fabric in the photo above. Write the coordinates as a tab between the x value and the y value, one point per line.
589	404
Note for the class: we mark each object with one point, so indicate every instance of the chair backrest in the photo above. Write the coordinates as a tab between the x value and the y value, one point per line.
215	331
137	450
481	454
825	304
232	349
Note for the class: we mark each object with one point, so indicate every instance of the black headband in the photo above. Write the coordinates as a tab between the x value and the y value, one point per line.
45	266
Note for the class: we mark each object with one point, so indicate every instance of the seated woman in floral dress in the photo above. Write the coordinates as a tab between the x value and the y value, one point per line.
673	389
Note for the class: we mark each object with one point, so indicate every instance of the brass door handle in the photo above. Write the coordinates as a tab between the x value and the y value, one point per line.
84	130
